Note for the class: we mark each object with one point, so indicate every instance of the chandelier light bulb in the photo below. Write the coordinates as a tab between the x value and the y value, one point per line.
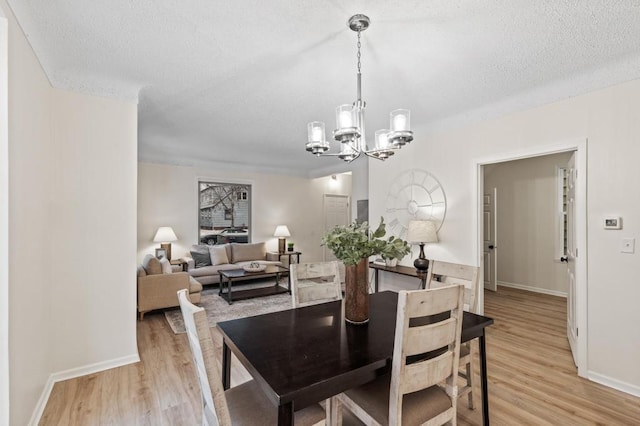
350	121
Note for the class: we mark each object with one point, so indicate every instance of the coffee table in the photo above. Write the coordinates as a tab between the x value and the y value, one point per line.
230	276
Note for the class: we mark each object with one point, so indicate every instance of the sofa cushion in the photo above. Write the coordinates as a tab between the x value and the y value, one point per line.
166	266
218	255
244	252
151	265
201	259
141	271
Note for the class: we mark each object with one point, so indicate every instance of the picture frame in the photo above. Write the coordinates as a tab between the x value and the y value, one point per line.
160	253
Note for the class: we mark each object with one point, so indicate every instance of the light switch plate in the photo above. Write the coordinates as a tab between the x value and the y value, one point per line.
628	245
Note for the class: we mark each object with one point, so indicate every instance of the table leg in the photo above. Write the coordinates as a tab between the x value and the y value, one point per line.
220	284
285	414
229	287
483	380
226	366
375	279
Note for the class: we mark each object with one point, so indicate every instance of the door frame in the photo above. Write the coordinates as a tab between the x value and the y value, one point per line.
578	145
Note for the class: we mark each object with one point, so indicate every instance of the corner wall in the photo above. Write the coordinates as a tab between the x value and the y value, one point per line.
72	207
608	118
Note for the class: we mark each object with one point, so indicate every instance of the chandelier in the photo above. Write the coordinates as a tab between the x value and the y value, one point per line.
350	122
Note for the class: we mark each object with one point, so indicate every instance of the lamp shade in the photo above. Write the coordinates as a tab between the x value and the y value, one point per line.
282	231
165	234
422	231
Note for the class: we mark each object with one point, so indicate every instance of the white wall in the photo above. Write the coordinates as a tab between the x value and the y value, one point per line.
527	222
360	185
92	229
168	196
609	119
4	227
72	193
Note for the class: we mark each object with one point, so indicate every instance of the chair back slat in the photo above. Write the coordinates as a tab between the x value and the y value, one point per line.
430	337
445	274
316	282
214	404
425	374
422	304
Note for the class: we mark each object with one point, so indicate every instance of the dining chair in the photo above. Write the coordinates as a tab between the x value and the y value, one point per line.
315	282
245	404
422	386
445	273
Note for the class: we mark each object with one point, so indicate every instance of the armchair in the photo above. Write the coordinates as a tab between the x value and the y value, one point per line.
159	290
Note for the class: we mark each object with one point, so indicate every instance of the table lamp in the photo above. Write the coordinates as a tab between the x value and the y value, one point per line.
281	232
422	232
164	236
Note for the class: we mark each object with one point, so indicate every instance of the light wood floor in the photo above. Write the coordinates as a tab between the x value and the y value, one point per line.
532	379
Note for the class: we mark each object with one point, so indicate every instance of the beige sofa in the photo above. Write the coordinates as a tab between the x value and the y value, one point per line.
157	289
225	257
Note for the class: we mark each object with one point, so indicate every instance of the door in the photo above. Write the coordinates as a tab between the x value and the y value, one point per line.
490	237
572	254
336	213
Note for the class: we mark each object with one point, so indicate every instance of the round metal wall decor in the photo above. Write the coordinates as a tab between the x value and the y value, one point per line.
414	195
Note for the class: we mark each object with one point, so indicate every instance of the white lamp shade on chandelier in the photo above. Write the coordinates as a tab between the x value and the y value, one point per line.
165	234
350	122
421	232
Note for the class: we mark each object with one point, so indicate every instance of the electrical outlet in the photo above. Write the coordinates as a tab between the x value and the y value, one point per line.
628	245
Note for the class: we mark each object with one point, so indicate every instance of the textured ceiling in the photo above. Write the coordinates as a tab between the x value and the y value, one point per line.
236	82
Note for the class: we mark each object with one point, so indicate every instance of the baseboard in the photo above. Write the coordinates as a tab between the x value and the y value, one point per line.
533	289
614	383
73	373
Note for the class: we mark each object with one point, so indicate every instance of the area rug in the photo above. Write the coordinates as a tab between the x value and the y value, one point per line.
219	310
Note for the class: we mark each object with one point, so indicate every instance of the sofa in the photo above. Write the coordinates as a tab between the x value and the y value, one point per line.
158	285
205	261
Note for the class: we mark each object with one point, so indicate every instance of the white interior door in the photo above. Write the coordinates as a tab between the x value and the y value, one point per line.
336	213
572	254
490	231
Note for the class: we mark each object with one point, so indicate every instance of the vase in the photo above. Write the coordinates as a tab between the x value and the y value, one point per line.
392	263
356	297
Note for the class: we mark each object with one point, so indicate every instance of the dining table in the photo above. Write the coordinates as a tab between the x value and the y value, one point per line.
305	355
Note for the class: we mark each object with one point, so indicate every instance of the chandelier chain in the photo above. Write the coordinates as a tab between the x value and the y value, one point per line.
359	44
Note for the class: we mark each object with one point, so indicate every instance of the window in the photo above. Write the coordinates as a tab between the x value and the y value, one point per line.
561	240
224	213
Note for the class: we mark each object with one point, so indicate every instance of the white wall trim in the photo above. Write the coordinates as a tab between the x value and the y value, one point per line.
614	383
579	145
73	373
533	289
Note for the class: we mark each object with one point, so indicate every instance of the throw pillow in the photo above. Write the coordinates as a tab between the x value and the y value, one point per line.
151	265
248	252
166	266
201	259
218	255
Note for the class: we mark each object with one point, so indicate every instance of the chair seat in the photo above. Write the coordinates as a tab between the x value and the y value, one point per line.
373	398
248	405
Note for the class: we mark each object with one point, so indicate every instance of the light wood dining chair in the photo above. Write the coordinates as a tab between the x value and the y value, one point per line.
425	355
445	273
315	282
245	404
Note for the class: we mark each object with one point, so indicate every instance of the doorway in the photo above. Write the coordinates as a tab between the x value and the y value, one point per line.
525	247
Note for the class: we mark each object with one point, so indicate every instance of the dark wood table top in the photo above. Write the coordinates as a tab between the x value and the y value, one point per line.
308	354
409	271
